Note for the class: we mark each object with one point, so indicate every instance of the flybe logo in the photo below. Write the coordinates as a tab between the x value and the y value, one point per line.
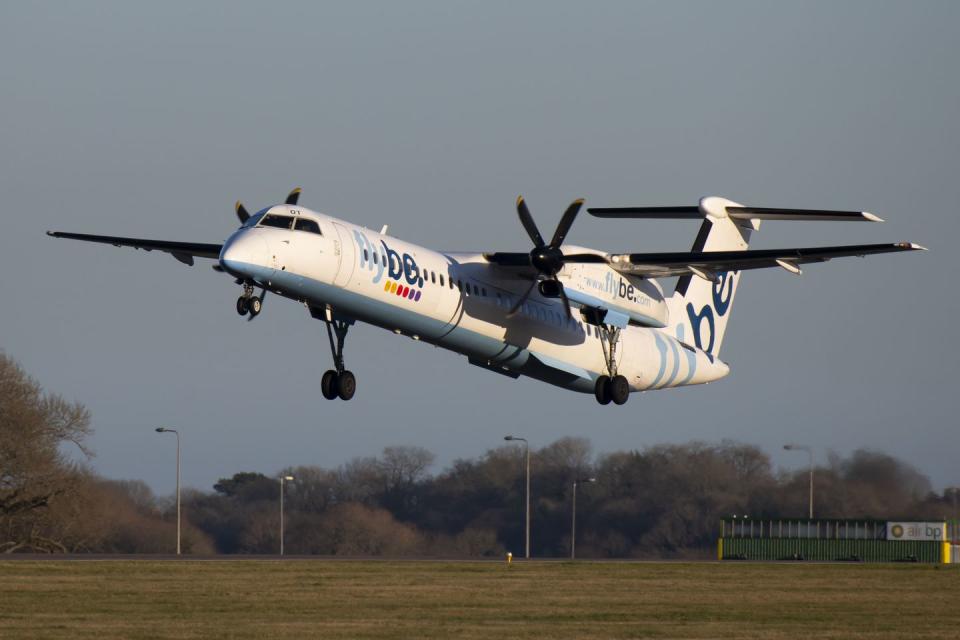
722	296
403	274
617	287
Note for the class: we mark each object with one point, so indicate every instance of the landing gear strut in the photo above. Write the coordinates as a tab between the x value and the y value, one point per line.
248	303
337	382
613	386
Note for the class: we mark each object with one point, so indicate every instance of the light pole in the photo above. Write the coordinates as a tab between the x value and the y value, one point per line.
573	519
176	433
803	447
283	479
526	446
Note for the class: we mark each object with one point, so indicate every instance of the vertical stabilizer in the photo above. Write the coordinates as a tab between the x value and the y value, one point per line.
701	304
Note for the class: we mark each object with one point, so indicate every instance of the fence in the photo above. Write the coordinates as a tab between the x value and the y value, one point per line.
829	541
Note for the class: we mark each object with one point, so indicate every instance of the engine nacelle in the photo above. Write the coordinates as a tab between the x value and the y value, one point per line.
624	298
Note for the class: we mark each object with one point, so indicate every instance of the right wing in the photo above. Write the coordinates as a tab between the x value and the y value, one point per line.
708	264
185	252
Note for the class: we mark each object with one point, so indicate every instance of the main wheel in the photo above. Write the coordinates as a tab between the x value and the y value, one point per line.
254	305
242	305
328	385
346	385
619	390
602	390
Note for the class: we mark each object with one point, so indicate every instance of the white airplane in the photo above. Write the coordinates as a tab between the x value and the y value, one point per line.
512	313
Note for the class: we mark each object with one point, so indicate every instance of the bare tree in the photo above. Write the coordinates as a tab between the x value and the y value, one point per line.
34	470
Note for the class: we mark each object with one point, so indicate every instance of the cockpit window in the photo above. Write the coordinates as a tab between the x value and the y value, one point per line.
281	222
306	224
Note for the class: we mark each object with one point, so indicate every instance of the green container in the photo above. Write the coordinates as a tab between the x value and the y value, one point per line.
823	550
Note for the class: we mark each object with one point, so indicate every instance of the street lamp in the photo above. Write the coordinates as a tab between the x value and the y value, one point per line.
176	433
283	479
526	446
573	519
803	447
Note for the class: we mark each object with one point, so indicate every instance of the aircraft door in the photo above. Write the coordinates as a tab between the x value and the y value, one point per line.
346	255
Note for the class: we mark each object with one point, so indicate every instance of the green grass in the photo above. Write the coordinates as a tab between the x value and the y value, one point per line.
265	599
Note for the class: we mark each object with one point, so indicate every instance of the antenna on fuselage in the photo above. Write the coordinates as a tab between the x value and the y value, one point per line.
383	229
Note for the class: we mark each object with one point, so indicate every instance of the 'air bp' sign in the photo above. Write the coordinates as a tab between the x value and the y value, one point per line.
934	531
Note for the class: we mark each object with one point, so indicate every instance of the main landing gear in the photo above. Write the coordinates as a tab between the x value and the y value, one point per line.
248	303
613	386
338	382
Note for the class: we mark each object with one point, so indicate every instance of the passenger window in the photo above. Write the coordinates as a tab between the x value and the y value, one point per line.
433	277
366	256
280	222
305	224
383	258
460	285
441	279
484	292
376	259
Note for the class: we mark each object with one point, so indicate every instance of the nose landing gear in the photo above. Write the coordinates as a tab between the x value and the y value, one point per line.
249	304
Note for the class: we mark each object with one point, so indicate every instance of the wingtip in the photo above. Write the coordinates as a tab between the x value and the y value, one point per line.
519	200
52	234
870	217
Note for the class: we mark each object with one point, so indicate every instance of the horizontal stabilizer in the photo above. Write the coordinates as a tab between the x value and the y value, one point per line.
715	206
652	213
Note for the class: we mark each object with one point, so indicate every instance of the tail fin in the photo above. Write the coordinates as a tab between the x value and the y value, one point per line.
700	306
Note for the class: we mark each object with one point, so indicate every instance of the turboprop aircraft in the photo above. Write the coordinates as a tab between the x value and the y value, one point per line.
574	317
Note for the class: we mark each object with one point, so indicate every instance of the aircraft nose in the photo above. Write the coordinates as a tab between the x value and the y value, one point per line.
242	252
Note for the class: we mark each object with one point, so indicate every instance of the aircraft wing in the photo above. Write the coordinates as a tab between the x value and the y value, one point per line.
185	252
708	264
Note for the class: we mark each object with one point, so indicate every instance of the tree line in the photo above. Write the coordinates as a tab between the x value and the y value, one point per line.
662	501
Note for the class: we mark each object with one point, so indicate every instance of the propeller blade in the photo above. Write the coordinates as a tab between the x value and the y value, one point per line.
566	301
527	221
293	196
566	222
241	212
523	298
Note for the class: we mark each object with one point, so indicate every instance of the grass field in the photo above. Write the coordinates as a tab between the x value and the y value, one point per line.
267	599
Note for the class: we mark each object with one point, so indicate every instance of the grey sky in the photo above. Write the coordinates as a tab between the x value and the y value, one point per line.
150	119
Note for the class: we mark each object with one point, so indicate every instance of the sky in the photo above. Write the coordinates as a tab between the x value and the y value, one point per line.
151	119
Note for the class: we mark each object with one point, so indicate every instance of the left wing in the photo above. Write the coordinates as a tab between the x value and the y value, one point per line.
708	264
185	252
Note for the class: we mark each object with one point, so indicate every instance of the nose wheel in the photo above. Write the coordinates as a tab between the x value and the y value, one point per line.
337	382
249	304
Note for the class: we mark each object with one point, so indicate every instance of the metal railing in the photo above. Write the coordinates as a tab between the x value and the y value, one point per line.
804	529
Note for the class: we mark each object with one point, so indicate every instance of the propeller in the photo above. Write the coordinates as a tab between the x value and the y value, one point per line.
546	258
244	215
